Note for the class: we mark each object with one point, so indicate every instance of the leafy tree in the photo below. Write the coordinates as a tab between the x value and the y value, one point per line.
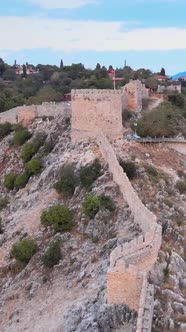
103	72
9	74
151	83
177	100
45	94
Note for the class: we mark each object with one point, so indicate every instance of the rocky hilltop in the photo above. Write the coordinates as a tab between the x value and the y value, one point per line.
70	294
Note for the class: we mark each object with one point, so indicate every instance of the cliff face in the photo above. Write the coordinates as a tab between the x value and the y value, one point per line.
72	296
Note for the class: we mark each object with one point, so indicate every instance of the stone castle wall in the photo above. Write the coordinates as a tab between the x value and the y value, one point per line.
26	114
134	92
94	109
131	261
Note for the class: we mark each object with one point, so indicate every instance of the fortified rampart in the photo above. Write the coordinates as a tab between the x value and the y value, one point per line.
130	262
94	109
134	92
26	114
102	109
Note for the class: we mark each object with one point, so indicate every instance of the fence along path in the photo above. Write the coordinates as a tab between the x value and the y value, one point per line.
160	140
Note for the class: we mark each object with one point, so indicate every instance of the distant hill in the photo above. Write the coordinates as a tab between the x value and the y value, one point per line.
182	74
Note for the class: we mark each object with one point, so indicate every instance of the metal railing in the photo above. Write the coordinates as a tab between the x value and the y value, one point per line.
159	140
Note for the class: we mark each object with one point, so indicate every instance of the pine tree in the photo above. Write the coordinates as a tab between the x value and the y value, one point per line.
2	67
162	72
24	71
61	63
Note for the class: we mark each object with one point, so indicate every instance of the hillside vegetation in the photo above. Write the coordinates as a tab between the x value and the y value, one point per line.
51	83
167	120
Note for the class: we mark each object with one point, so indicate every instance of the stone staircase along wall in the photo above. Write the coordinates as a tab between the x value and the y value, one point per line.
130	262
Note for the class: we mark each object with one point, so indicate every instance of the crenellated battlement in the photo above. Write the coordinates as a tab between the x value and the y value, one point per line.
94	92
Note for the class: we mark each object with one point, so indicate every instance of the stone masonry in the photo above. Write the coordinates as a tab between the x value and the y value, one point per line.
94	109
134	92
102	109
26	114
130	262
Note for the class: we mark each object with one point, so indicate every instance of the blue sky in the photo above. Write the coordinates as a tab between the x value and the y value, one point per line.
147	33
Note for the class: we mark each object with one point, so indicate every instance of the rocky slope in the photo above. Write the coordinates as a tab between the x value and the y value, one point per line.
72	296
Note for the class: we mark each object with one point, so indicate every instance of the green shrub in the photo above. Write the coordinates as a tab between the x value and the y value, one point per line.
9	180
30	149
129	168
27	152
126	115
5	129
159	122
166	273
21	136
181	173
52	255
184	132
177	100
90	173
38	141
91	205
33	167
48	147
23	250
59	217
67	181
21	181
151	170
168	202
1	227
107	203
181	186
17	127
3	203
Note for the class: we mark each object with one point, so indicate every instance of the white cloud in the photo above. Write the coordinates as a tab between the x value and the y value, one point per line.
71	35
65	4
